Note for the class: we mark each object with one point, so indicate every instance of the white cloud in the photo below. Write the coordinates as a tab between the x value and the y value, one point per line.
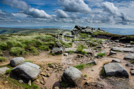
26	8
61	14
75	6
110	7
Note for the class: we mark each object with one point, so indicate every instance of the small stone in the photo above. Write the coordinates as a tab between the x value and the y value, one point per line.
132	72
65	54
116	60
29	83
56	88
20	81
129	65
5	82
42	82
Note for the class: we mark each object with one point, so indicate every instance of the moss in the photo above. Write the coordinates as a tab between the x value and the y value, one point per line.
17	51
2	59
64	84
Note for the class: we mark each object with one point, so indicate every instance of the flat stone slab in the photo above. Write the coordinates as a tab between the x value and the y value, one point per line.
26	71
3	70
70	49
115	69
129	56
16	61
123	49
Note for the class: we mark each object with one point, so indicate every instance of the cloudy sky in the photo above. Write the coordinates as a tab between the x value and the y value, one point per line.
97	13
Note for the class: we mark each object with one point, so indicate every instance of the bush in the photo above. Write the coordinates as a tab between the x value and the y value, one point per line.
45	47
3	46
2	59
17	51
34	50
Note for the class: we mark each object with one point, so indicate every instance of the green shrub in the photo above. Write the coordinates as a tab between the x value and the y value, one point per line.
44	47
34	50
17	51
102	73
3	46
2	59
80	49
99	55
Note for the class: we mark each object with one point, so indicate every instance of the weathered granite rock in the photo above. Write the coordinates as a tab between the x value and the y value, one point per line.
123	49
26	71
71	76
129	65
3	70
112	52
129	56
115	69
57	50
116	60
16	61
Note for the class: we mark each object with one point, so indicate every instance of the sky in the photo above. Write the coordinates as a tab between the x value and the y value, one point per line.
65	13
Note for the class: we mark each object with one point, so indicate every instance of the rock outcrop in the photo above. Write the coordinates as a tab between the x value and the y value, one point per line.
26	71
123	49
115	69
57	50
71	76
16	61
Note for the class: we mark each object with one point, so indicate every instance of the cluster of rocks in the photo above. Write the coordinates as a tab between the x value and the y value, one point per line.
24	71
78	29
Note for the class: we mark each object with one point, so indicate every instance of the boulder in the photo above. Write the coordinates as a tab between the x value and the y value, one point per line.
123	49
26	71
112	52
16	61
3	70
115	69
57	50
71	76
129	56
129	65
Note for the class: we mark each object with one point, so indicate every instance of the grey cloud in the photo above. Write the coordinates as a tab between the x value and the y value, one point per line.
26	8
75	6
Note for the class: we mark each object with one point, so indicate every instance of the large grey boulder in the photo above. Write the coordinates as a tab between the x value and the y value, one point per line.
26	71
123	49
57	50
71	76
115	69
16	61
129	56
3	70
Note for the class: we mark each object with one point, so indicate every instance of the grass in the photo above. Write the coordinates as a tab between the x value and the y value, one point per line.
14	84
2	59
132	61
64	84
82	66
29	61
17	51
80	49
9	71
100	55
102	73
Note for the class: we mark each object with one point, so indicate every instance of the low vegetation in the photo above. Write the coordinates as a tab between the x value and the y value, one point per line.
82	66
100	55
2	59
80	49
